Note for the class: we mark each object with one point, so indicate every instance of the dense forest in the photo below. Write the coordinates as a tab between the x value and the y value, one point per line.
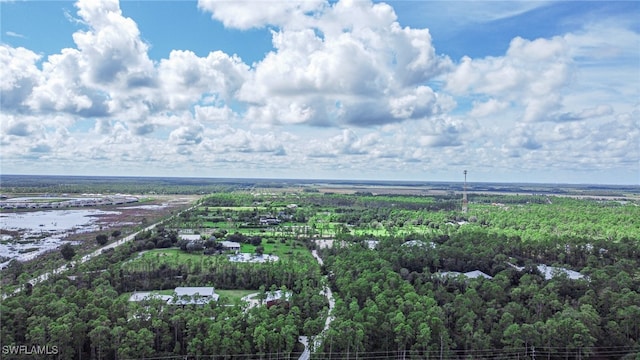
404	272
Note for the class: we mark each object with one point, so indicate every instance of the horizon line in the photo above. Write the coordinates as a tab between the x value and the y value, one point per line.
328	180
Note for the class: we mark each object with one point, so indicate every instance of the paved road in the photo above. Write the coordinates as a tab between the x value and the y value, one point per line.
317	340
90	256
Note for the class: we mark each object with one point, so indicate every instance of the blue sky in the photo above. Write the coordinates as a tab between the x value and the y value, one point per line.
512	91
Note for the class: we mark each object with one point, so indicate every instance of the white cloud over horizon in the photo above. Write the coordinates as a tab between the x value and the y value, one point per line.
346	92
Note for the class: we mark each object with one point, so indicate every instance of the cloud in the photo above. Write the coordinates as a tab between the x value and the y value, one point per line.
61	88
111	49
529	67
19	75
422	102
351	58
104	74
598	111
15	126
40	148
489	107
15	34
346	91
187	135
444	132
19	129
256	14
185	77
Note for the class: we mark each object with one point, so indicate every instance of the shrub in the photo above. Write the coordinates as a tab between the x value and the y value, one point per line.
102	239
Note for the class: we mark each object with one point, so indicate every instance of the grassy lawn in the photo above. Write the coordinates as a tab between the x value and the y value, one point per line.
174	257
230	296
277	248
171	255
405	230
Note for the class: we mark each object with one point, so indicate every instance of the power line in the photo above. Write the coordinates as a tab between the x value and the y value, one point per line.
453	354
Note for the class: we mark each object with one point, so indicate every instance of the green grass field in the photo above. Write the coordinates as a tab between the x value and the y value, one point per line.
277	248
177	257
230	296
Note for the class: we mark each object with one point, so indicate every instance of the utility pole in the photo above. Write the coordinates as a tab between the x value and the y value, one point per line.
465	203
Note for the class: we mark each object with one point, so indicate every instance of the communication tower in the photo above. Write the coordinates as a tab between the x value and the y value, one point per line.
465	203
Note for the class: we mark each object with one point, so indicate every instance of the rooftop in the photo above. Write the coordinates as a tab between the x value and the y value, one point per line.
470	274
195	291
146	295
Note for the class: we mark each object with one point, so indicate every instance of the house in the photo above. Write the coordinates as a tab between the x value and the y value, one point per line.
146	296
269	221
253	258
550	271
181	296
194	296
190	237
476	274
470	274
419	243
230	245
372	244
277	297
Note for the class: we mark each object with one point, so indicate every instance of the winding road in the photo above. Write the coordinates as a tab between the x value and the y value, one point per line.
317	340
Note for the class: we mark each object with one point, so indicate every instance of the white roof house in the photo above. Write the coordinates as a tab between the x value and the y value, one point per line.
146	296
195	291
230	245
181	296
277	295
194	295
372	244
476	274
190	237
470	274
550	271
419	243
252	258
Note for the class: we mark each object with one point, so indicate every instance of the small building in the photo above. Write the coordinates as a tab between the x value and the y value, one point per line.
550	271
230	245
476	274
252	258
147	296
277	297
190	237
181	296
194	296
469	275
419	243
372	244
269	221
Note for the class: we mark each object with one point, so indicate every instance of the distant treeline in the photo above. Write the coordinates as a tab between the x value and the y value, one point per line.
192	185
131	185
